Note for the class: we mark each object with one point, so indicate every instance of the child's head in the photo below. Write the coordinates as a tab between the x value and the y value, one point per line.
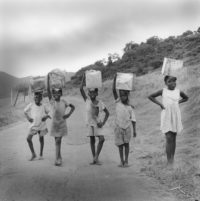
57	93
93	93
38	97
124	96
170	82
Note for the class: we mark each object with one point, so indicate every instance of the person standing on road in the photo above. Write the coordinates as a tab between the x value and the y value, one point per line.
94	108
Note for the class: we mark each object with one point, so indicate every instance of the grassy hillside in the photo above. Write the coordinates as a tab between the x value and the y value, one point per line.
147	56
150	143
6	83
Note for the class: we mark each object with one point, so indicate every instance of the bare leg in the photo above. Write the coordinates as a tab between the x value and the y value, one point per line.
41	139
92	146
126	154
99	148
58	150
173	146
121	154
30	143
170	146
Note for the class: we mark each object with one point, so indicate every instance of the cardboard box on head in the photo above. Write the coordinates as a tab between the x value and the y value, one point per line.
37	84
125	81
171	67
93	79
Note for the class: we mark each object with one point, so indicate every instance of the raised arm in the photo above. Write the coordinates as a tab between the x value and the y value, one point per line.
81	88
48	87
184	97
114	88
153	96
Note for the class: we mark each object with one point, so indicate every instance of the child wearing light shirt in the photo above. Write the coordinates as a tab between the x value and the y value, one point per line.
94	109
125	119
37	114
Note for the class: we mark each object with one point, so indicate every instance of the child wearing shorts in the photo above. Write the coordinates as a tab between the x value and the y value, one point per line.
37	114
125	123
94	109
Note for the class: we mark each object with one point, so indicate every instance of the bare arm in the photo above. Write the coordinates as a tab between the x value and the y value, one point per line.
184	97
114	88
81	88
28	117
70	112
153	96
48	88
134	128
101	124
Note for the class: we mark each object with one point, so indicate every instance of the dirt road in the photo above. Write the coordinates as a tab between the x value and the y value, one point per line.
76	180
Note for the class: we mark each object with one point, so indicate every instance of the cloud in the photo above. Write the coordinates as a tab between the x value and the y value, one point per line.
81	31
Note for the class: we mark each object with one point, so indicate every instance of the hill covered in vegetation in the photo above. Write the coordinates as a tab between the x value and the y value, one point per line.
6	83
145	57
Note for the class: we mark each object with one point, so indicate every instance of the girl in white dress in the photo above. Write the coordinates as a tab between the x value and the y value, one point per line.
170	116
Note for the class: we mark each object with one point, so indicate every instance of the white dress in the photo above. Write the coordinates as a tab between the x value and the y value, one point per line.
171	116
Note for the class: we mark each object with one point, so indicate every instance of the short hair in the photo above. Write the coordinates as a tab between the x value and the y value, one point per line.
57	90
168	76
94	89
38	93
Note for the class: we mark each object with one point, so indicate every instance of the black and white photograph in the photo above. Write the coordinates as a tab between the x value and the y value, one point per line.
100	100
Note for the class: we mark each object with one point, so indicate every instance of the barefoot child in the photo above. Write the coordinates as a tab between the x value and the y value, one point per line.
125	118
94	108
170	116
37	113
59	124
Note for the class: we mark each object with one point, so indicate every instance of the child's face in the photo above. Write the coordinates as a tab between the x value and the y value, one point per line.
38	98
171	83
123	94
56	95
92	94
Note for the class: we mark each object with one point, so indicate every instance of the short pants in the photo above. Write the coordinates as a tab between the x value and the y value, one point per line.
40	132
122	136
94	131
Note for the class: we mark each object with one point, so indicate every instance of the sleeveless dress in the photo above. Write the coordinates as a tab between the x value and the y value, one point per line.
58	125
171	116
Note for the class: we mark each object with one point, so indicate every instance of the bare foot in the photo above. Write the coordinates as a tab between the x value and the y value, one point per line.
33	157
97	162
57	162
41	158
126	165
93	163
121	165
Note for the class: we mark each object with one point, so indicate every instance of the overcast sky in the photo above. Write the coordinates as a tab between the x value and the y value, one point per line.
40	35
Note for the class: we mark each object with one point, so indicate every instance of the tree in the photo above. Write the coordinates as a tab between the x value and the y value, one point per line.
187	33
130	46
154	40
112	58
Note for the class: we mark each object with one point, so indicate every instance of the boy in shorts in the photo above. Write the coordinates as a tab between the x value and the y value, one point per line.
37	114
